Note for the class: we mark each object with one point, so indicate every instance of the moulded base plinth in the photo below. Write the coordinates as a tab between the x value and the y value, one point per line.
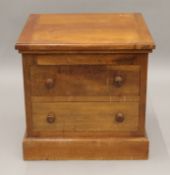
117	148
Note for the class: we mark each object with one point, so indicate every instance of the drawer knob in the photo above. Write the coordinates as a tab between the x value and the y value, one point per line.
49	83
118	80
119	117
51	118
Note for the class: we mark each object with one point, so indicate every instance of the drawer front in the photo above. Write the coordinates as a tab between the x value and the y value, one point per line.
85	80
85	117
86	59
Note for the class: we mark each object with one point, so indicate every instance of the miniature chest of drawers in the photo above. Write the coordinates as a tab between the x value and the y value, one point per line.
85	86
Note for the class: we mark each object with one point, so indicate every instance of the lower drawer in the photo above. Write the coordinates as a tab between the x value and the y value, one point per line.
74	117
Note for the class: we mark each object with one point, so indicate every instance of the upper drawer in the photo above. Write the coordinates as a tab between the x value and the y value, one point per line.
86	59
85	80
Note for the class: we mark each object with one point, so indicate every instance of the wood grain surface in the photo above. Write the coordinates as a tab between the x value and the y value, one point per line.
85	32
85	83
85	116
130	148
85	59
85	80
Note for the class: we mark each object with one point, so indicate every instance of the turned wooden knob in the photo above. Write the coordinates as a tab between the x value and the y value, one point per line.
51	118
118	80
119	117
49	83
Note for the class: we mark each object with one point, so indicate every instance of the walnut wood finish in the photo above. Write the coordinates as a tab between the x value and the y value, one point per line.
84	117
85	59
85	90
115	31
85	80
120	148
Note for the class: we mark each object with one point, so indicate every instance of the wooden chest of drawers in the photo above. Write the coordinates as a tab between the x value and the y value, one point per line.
85	86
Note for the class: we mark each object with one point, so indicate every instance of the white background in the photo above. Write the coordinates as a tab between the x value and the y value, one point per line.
13	15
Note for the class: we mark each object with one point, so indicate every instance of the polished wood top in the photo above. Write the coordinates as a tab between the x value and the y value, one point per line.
116	31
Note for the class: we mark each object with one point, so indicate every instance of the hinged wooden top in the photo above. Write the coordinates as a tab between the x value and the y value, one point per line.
83	32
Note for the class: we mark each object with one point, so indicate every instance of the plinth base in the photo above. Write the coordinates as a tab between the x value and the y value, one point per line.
85	148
